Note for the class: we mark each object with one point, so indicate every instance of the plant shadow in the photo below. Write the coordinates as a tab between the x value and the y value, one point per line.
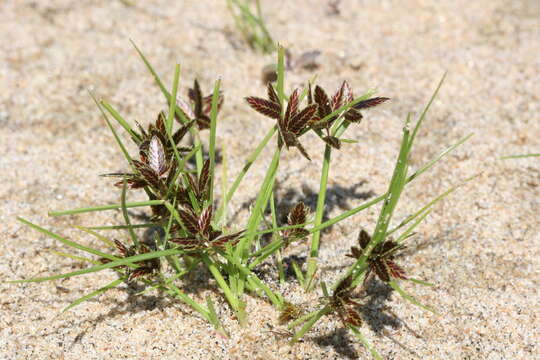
340	341
337	196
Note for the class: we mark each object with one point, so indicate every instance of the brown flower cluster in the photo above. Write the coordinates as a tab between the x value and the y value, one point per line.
318	115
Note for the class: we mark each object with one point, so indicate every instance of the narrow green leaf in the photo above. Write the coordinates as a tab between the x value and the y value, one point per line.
66	241
212	142
364	341
421	282
94	294
115	134
124	261
126	215
410	298
106	207
519	156
120	120
73	257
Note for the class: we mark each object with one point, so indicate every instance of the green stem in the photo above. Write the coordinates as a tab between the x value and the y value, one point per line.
106	207
212	145
251	159
231	298
279	260
309	324
260	205
315	240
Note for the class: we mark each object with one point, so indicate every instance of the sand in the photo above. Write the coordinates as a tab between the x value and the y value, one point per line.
480	246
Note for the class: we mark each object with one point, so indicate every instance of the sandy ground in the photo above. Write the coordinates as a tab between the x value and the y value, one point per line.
480	247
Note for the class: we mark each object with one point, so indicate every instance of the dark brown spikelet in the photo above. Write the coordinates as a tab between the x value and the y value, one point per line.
333	141
289	312
297	215
370	102
265	107
188	243
292	124
381	259
350	316
180	133
231	239
339	96
207	103
272	96
343	288
140	271
124	251
202	106
204	180
292	109
189	219
395	270
160	123
147	173
302	119
205	220
355	252
145	267
363	239
379	267
321	98
342	304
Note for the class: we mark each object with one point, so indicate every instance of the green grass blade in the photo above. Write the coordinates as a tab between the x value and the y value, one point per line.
170	119
347	214
406	234
423	115
298	273
519	156
117	227
224	178
364	341
120	120
410	298
131	233
66	241
435	160
152	71
421	282
212	141
426	209
130	261
260	205
251	159
309	324
94	294
281	76
319	212
214	316
170	99
115	134
106	207
91	231
74	257
185	298
276	299
380	198
302	319
394	192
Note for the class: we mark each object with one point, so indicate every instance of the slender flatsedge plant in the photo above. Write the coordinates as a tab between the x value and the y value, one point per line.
375	253
188	229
